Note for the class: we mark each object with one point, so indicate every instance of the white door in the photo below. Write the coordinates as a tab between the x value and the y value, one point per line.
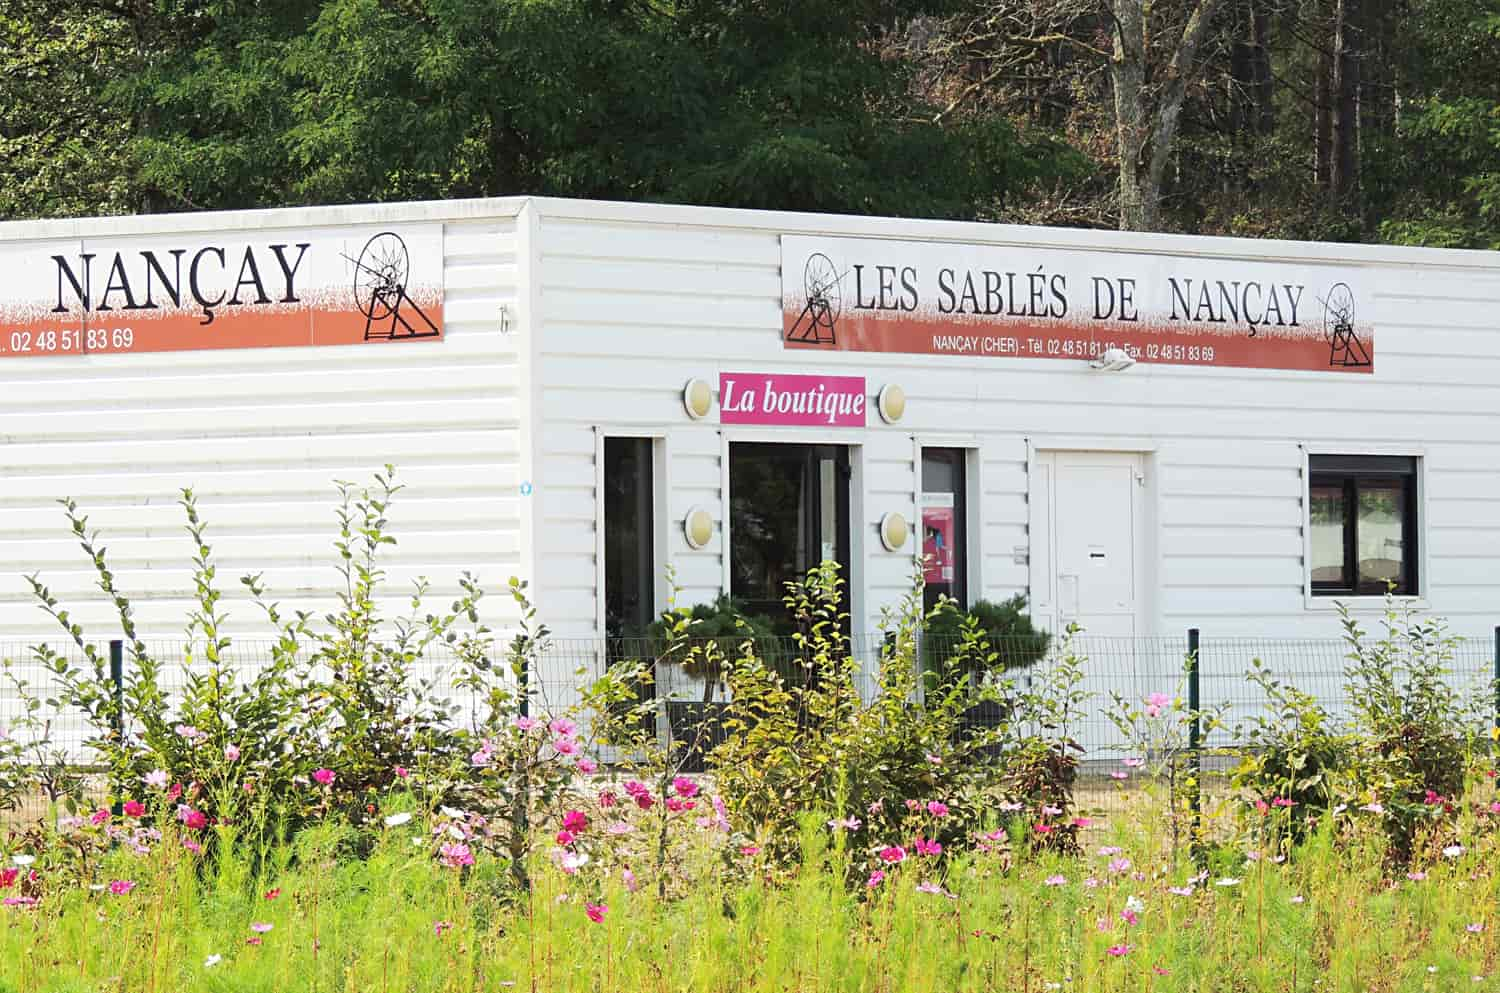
1096	541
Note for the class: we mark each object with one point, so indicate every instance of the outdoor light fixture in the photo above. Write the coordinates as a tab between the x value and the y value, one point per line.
1113	360
697	399
891	403
894	531
698	528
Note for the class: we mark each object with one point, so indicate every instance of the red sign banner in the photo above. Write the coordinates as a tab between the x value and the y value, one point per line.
219	290
938	298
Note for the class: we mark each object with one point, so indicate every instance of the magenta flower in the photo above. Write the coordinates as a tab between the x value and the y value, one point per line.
254	939
847	823
929	888
1110	850
875	808
563	727
1475	928
937	808
565	838
134	808
1133	762
1118	950
323	777
1055	881
1117	774
876	878
99	816
1155	702
191	846
260	927
685	787
576	821
231	753
607	799
1082	822
645	801
749	850
19	901
402	772
1050	811
1180	890
1119	865
628	877
565	746
1416	876
892	854
1282	801
935	759
1130	917
524	724
438	927
120	887
596	912
925	847
456	855
587	766
1042	828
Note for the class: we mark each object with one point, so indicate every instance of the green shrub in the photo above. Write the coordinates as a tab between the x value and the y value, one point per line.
987	638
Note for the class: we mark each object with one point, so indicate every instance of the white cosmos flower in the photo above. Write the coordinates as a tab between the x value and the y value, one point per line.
212	961
1227	881
23	860
417	841
1453	851
1134	904
396	820
450	812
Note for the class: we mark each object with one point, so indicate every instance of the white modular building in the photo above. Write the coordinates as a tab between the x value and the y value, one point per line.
1142	433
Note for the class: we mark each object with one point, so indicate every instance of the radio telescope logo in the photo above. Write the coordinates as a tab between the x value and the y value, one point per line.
380	280
1345	349
825	302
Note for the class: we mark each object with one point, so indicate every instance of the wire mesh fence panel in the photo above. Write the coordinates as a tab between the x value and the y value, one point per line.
687	694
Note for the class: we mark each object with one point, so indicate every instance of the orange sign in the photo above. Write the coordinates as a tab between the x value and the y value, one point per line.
340	286
998	302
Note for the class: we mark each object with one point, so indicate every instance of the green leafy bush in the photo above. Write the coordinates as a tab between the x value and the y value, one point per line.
987	638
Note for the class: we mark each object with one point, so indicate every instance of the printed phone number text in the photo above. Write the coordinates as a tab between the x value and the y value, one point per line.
68	341
1086	348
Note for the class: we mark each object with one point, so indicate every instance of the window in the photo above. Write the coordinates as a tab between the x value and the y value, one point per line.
1363	515
944	536
629	562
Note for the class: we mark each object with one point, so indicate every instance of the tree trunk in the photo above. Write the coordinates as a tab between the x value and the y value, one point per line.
1344	184
1323	106
1127	71
1260	42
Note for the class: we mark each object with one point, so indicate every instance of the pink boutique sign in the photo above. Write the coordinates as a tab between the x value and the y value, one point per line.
810	401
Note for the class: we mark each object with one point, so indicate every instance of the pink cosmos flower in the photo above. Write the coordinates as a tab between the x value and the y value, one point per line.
1042	828
1130	917
190	845
324	777
261	927
563	727
1283	801
134	808
619	827
749	850
645	801
1262	807
1475	928
253	940
99	816
925	847
120	887
1055	881
929	888
876	808
1416	876
937	808
1091	883
156	779
596	912
8	878
635	788
1119	865
1009	807
272	894
891	854
876	878
587	766
685	787
438	927
607	799
676	805
1155	702
1107	851
1160	971
1180	890
1299	898
174	792
631	884
565	838
934	759
231	753
565	746
1495	807
1117	774
19	901
1050	811
847	823
524	724
1118	950
194	819
1082	822
576	821
1133	762
402	772
913	805
456	855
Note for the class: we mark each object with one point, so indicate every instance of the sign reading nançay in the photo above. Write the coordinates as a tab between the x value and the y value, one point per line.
813	401
208	291
940	298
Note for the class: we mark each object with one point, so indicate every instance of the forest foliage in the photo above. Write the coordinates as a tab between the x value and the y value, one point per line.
1361	120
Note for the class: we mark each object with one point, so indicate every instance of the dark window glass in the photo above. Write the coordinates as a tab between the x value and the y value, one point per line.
1363	513
944	535
629	562
788	512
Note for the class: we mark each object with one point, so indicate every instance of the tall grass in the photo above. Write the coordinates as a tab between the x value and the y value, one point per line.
1326	918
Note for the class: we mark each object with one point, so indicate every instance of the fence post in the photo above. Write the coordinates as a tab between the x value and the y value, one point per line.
117	719
1195	739
1497	681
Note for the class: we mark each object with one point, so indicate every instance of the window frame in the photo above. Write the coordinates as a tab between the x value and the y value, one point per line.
1370	463
661	530
963	457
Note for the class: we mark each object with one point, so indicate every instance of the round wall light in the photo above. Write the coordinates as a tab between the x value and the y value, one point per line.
891	402
698	528
697	399
894	531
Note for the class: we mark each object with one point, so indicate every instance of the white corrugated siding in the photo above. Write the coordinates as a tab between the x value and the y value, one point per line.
261	435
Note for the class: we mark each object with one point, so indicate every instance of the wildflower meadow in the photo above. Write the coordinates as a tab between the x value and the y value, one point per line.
331	821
